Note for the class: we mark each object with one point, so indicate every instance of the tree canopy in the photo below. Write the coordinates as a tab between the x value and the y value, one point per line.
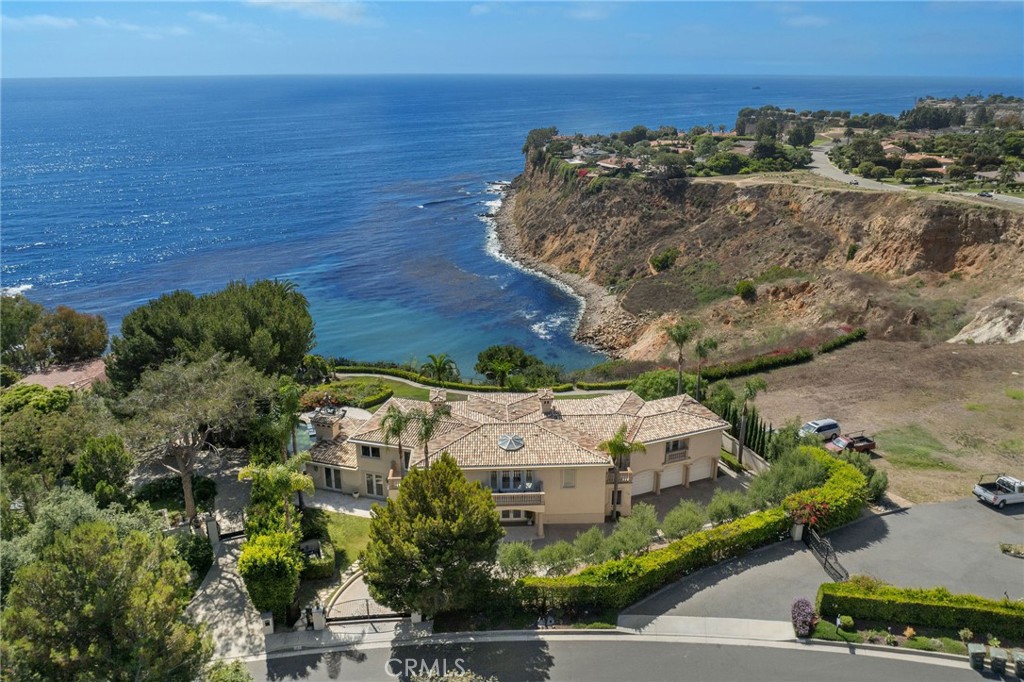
66	335
99	606
18	315
435	544
266	323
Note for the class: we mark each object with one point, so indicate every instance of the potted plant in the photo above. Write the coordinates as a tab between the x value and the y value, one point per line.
805	510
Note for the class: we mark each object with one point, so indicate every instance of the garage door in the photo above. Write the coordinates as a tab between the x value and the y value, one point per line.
643	483
672	476
701	469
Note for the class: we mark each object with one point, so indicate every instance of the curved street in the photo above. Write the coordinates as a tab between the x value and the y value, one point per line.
612	657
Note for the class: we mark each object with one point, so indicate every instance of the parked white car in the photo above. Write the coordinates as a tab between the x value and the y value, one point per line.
823	429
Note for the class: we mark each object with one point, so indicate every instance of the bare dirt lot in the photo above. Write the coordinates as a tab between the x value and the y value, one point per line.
942	415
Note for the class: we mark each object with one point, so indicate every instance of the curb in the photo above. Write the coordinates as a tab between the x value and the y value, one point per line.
882	647
356	574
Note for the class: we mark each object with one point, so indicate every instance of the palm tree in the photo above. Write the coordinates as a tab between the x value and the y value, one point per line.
288	395
428	423
618	447
394	424
680	334
751	387
441	367
281	480
702	349
500	370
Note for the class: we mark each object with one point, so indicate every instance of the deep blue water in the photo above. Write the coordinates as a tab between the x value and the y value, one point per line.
365	191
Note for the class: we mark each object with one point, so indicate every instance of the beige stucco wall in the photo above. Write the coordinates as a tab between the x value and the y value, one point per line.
582	504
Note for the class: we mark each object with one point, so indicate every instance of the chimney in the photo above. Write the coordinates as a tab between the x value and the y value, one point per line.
438	398
547	399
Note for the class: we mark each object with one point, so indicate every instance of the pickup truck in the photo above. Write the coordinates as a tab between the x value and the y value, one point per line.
857	443
999	490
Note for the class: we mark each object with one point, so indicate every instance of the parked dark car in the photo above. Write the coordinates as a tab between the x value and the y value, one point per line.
858	443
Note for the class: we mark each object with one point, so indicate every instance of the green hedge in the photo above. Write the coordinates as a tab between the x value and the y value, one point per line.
843	340
427	381
375	399
932	607
616	584
319	568
603	385
759	363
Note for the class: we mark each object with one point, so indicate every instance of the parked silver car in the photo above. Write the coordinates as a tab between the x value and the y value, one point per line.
823	429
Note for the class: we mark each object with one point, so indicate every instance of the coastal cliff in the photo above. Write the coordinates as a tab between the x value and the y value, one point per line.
643	251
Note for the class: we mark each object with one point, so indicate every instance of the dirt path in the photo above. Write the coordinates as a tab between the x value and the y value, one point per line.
945	411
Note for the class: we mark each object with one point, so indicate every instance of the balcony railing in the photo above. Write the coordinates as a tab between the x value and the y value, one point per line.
517	499
535	487
624	477
676	456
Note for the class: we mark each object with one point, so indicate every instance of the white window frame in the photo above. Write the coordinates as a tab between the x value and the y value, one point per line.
374	485
568	478
371	451
332	476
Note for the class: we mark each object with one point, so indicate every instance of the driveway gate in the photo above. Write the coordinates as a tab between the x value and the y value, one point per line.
826	556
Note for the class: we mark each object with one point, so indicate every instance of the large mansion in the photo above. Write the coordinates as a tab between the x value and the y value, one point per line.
538	456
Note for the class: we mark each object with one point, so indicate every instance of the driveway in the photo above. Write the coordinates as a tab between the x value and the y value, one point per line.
953	544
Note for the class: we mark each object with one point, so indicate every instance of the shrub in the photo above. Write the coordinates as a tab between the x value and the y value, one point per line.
559	558
846	623
842	340
877	485
746	290
930	607
754	365
314	524
270	566
910	632
8	376
803	617
197	552
604	385
168	488
660	383
851	251
321	567
633	533
665	259
687	517
791	472
427	381
965	634
516	560
225	672
726	505
590	546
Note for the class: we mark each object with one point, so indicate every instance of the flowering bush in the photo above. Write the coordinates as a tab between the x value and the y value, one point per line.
806	508
803	617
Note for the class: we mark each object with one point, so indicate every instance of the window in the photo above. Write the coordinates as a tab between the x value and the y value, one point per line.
676	450
568	478
375	485
407	456
512	479
617	497
333	478
511	514
370	451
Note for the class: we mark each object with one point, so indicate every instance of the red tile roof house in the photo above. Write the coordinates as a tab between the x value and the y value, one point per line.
78	375
539	457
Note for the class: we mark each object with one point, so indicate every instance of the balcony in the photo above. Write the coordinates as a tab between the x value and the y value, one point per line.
625	476
518	499
677	456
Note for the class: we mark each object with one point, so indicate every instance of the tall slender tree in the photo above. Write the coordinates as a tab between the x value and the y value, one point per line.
619	448
394	423
702	349
751	387
680	334
428	421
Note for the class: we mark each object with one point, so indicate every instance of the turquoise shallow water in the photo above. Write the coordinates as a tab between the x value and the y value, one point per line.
366	191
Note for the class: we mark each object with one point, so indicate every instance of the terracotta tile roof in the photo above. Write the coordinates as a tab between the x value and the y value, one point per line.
338	452
569	436
76	375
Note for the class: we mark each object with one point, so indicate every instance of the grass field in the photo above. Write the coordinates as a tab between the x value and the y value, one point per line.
911	447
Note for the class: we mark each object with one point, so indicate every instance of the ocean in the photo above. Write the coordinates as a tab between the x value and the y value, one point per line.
367	192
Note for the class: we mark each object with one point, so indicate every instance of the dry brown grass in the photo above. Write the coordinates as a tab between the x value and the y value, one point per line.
948	409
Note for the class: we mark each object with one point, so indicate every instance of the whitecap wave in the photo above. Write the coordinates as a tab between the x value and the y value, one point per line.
15	290
492	247
549	325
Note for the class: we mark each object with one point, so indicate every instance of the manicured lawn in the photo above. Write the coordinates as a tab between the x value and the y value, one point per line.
911	447
350	535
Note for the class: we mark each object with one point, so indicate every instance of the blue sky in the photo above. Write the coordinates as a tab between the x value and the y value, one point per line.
180	37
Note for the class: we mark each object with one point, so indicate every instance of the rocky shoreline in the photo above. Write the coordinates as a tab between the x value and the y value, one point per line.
604	324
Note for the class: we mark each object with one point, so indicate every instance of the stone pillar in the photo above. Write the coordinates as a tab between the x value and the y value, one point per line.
539	520
213	532
714	469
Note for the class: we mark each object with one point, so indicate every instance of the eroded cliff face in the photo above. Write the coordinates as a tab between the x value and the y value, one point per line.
904	265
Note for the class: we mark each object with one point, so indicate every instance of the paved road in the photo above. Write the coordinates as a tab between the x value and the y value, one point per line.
615	658
955	544
821	165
